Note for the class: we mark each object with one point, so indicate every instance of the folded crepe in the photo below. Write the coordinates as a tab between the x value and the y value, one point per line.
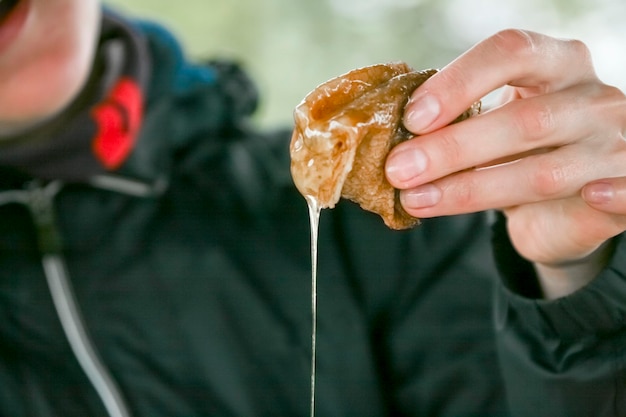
344	130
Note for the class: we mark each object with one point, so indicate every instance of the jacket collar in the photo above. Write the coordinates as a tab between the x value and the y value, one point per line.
97	133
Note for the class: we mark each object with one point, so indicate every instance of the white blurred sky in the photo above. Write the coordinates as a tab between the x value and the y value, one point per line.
290	46
602	26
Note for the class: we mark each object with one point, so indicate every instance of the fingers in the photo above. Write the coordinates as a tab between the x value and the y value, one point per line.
535	63
543	156
556	173
607	195
550	176
561	176
561	129
576	116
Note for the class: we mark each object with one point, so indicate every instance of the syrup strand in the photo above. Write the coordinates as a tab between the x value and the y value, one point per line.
314	216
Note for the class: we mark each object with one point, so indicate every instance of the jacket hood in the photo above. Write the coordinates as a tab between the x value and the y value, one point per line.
142	104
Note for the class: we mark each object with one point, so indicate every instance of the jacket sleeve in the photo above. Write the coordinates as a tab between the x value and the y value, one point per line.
564	357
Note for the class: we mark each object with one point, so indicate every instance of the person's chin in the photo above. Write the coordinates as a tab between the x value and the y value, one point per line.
28	117
13	128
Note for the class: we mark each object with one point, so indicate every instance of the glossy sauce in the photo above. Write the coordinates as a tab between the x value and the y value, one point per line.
344	130
314	217
323	147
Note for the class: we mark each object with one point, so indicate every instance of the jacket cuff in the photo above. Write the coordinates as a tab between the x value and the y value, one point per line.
597	309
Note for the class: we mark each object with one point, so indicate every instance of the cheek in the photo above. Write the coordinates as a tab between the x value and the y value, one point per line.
40	90
48	68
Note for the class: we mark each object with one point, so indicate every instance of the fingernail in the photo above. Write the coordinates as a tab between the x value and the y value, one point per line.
421	112
423	196
405	165
598	193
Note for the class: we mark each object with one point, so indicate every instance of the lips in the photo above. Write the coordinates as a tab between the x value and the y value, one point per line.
13	14
6	6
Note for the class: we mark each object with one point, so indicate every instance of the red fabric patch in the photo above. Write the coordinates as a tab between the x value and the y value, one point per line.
118	118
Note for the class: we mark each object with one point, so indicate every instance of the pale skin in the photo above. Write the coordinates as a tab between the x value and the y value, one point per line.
45	59
552	157
564	198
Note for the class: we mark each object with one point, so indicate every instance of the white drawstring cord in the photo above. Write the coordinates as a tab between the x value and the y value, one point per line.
40	202
74	328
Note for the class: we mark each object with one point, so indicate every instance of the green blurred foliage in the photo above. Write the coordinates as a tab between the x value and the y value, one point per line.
290	46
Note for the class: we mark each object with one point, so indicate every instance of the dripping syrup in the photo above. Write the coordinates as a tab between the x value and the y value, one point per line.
314	216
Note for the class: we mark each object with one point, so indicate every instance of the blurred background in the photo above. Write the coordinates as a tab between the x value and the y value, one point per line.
290	46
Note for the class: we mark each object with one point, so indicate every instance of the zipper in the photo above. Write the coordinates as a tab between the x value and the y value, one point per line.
39	199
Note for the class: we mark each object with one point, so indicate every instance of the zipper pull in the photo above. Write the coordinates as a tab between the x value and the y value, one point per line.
40	202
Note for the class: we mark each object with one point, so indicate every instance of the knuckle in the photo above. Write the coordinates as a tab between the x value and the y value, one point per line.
614	100
580	50
577	60
615	95
464	193
534	120
514	41
549	179
606	105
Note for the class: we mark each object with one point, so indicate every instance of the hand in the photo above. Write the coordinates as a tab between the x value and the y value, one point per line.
558	128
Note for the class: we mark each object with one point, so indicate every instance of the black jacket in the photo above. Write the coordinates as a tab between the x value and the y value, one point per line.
190	269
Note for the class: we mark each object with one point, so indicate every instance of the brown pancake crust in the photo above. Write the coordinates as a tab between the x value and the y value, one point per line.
344	130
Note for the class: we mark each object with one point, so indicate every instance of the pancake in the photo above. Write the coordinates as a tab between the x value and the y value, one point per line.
344	130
